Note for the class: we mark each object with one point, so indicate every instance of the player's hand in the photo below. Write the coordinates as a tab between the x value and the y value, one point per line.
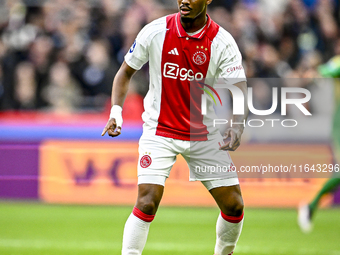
234	133
114	125
111	128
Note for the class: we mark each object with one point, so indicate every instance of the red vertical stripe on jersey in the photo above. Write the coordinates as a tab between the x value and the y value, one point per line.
183	73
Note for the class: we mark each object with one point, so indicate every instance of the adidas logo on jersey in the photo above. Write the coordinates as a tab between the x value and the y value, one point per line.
174	51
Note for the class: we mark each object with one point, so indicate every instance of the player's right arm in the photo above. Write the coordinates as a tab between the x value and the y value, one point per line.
135	58
119	90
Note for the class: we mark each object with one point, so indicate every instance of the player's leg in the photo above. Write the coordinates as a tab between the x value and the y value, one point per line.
137	226
230	220
156	157
306	211
329	187
211	166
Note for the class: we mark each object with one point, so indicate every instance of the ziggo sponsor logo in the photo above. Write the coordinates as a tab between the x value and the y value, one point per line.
172	71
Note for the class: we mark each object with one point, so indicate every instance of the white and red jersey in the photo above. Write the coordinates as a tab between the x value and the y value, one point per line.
179	66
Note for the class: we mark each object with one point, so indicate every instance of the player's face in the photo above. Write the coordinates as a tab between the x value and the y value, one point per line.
192	9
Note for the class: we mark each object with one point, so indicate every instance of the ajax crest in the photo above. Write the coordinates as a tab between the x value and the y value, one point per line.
145	161
199	58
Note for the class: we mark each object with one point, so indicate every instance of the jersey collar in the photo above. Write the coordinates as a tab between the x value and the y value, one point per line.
182	33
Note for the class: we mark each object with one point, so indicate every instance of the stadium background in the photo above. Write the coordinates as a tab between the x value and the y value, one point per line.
58	59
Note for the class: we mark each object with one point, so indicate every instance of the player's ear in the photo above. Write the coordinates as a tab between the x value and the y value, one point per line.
209	2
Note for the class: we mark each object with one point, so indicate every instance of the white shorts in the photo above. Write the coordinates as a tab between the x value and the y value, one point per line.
206	162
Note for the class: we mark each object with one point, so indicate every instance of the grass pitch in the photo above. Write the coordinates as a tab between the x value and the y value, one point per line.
40	229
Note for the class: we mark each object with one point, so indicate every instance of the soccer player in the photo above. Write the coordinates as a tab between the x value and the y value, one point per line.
187	52
307	211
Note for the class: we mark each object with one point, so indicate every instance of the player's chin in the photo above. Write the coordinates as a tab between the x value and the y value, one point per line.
186	18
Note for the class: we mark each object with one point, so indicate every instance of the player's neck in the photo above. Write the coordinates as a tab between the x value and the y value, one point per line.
193	25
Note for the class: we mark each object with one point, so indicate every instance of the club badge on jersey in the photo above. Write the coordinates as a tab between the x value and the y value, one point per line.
145	161
199	57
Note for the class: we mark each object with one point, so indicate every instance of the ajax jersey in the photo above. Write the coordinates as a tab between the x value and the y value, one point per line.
180	65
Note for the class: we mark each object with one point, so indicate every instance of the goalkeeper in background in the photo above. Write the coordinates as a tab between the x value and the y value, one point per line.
307	211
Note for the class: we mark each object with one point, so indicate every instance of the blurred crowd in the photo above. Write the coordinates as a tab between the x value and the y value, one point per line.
62	55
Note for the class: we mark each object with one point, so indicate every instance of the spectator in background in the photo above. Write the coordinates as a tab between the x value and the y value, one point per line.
25	90
2	89
20	31
271	65
63	94
95	73
40	55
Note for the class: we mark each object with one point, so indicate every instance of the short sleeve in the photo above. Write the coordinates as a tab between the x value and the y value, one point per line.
138	54
230	66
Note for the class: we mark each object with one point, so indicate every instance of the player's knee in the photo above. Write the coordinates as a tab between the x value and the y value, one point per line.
237	210
149	197
234	207
147	205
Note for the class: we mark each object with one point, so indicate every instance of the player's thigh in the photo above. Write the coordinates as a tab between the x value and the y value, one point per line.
156	158
215	169
207	162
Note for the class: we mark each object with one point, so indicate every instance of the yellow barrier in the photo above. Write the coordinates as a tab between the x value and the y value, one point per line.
91	172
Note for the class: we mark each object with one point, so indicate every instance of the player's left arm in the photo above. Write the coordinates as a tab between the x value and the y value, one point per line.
235	132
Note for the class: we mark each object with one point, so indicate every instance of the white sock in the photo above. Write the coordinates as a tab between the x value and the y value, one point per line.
228	230
135	234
